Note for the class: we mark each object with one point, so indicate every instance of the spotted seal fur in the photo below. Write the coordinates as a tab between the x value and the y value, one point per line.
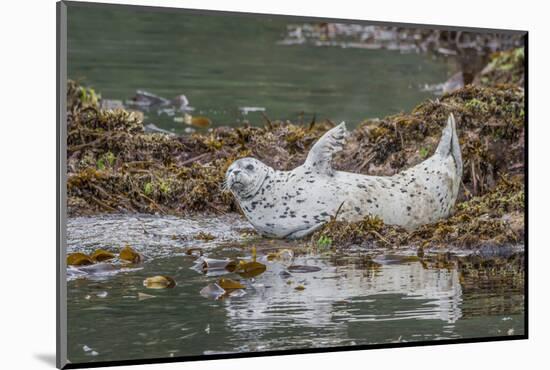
293	204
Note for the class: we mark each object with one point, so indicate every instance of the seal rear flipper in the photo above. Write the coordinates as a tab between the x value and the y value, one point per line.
449	144
455	147
319	157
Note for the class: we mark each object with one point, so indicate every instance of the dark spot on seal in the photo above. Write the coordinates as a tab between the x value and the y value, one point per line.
408	208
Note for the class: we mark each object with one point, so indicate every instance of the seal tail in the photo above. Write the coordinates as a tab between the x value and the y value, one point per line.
449	145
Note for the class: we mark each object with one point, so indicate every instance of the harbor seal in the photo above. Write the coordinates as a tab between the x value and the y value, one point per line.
293	204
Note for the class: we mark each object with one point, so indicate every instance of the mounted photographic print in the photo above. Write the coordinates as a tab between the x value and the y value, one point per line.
235	184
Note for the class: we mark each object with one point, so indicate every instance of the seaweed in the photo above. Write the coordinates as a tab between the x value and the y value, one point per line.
505	67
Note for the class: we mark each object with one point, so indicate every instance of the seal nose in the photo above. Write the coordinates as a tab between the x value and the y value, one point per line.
236	172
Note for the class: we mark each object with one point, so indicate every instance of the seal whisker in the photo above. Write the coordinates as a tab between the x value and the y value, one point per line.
224	187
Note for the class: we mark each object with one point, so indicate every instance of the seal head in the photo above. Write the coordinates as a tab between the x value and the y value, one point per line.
245	177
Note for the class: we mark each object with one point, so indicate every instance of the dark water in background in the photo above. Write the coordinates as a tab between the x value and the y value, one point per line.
346	302
224	63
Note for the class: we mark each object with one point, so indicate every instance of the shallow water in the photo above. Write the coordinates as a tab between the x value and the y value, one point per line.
226	64
351	300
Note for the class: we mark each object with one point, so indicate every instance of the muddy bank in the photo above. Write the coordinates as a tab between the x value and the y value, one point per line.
114	166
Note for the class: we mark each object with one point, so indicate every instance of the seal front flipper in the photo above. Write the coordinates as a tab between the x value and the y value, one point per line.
319	157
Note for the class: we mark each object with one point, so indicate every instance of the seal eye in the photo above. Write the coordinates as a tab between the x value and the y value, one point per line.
250	167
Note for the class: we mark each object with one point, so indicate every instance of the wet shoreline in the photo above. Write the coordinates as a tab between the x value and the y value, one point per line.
351	297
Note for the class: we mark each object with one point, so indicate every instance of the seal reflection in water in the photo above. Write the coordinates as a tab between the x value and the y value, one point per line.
293	204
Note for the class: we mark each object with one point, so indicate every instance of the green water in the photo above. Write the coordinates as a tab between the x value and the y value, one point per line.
222	63
346	302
